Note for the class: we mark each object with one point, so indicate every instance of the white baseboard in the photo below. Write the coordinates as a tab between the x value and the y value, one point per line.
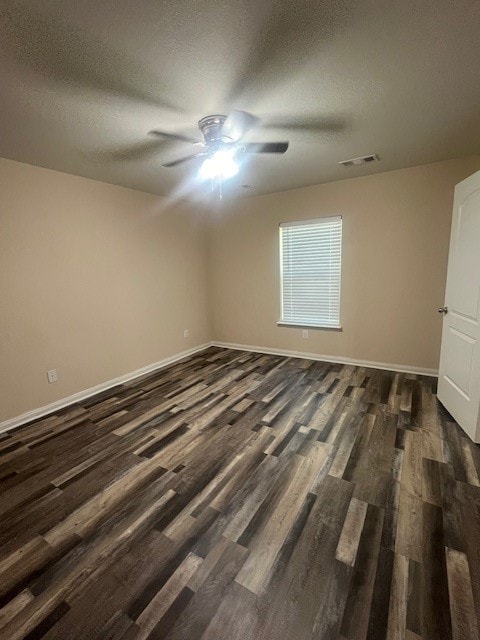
35	414
341	360
82	395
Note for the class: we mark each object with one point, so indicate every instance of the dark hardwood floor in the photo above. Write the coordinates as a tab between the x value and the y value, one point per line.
242	496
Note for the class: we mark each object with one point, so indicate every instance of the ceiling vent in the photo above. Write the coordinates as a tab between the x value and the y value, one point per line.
362	160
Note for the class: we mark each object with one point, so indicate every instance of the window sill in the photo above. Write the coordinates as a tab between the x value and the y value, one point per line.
282	323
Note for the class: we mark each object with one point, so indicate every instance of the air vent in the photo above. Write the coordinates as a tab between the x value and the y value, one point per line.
362	160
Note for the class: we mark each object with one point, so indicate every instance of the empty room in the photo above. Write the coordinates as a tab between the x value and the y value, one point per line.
240	320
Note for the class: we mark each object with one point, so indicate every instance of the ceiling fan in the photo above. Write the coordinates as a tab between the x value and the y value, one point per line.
222	144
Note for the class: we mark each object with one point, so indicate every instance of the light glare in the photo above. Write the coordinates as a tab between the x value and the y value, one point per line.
220	165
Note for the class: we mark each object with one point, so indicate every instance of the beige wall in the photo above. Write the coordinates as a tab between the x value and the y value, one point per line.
98	280
95	281
396	229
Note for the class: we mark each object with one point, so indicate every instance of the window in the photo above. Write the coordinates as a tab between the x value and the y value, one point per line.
310	271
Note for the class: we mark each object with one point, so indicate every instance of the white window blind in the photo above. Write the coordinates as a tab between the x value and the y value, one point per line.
311	256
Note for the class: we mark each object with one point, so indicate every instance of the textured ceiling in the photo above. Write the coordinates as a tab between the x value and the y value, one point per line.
82	83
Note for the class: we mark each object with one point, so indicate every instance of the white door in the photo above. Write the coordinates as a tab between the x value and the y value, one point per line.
459	375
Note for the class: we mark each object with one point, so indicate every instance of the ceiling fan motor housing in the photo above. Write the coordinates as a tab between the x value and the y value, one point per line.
211	128
225	134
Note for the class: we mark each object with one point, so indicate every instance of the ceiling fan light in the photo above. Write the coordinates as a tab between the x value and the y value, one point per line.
220	165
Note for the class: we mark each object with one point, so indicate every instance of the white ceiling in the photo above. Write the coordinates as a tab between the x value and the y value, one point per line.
84	82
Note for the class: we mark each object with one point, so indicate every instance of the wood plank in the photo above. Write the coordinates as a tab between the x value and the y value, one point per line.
464	620
351	532
397	614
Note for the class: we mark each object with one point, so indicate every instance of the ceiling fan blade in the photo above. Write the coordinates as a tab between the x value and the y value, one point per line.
236	125
265	147
172	136
174	163
132	152
279	29
51	47
310	124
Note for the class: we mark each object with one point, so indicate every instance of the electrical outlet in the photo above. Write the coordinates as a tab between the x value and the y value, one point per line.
305	334
185	333
52	375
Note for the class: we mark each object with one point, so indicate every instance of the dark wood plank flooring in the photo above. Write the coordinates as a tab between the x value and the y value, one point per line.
242	496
